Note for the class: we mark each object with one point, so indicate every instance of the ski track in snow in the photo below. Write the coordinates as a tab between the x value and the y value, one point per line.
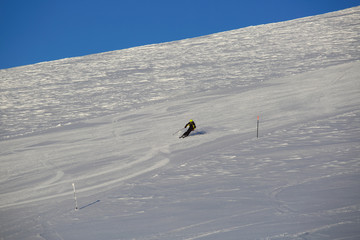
106	122
51	186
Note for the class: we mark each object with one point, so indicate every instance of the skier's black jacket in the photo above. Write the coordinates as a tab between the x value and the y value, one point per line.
191	125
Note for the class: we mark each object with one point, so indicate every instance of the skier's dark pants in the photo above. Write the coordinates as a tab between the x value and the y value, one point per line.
187	132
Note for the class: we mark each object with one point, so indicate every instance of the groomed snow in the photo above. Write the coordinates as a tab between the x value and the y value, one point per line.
108	122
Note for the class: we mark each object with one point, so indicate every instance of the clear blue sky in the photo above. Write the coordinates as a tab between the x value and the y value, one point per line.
33	31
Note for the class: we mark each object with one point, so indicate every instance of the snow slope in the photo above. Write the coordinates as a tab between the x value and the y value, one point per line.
106	122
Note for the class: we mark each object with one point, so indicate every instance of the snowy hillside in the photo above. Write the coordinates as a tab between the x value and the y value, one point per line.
108	122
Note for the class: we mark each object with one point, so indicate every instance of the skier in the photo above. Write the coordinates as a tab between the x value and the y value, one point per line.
191	128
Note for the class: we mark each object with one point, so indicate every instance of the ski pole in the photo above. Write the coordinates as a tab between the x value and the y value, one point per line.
177	131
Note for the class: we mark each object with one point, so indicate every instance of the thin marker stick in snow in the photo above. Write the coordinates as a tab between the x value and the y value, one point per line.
76	205
257	127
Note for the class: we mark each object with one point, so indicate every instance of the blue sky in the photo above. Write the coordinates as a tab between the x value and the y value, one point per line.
34	31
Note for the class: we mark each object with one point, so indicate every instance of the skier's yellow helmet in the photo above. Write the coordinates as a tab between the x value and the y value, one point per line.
191	120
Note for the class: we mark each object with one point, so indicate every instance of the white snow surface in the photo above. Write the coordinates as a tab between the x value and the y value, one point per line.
107	122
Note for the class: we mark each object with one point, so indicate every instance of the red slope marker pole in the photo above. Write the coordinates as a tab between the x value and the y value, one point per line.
257	127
